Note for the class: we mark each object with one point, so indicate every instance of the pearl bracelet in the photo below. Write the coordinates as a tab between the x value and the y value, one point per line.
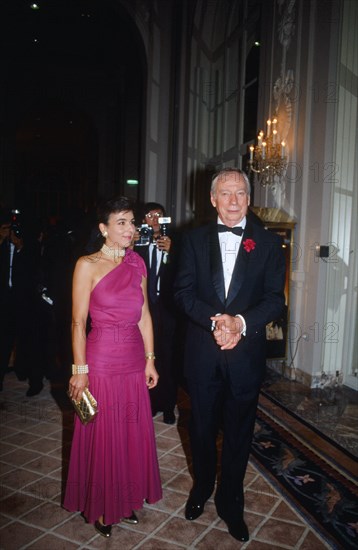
150	355
79	369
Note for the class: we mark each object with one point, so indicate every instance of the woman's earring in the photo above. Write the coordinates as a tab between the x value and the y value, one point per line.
104	234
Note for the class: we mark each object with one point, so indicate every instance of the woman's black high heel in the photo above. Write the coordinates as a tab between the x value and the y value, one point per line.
104	530
133	520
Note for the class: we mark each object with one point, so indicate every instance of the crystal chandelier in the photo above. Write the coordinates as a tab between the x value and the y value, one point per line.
268	159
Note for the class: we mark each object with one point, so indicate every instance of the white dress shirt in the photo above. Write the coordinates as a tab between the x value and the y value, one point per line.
162	256
11	250
229	247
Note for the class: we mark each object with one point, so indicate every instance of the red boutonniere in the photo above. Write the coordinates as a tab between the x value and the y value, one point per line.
249	245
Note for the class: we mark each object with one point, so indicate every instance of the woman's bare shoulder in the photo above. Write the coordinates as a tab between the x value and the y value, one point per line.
88	263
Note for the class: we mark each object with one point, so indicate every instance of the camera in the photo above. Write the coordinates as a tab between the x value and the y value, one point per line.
145	235
164	222
16	228
16	223
43	293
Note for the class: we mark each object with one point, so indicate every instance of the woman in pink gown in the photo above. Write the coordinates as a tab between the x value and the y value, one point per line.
113	465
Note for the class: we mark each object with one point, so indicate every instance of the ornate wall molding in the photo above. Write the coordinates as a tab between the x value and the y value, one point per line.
284	83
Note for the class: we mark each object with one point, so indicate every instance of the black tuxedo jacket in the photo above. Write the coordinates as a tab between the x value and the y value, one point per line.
4	270
256	292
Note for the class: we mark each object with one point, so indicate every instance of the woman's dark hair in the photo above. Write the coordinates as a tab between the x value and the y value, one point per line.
111	206
153	206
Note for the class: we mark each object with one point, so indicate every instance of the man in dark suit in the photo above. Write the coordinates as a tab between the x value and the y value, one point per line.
6	316
230	285
158	257
19	298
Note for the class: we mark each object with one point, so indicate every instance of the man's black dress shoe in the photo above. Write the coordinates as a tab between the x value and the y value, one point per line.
168	417
104	530
234	520
193	509
238	530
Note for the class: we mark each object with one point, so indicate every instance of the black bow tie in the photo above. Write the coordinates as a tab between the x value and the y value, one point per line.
224	228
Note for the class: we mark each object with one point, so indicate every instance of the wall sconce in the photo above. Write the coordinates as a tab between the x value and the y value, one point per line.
268	159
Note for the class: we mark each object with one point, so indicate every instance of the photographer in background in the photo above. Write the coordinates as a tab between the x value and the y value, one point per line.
154	245
19	301
6	324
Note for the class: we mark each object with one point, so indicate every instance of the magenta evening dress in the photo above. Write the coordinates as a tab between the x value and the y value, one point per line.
113	465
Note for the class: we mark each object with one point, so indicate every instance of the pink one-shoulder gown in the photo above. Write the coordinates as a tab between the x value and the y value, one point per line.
113	465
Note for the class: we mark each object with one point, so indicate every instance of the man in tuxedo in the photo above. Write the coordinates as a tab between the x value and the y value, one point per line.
19	262
6	316
159	260
230	284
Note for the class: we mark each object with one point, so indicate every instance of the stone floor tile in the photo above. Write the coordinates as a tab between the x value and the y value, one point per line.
173	462
149	520
18	478
21	439
6	448
45	445
156	544
76	529
122	538
4	521
284	511
313	542
44	488
19	457
47	515
44	464
166	475
15	536
280	532
4	493
51	541
165	444
217	539
182	482
180	531
260	503
17	504
171	501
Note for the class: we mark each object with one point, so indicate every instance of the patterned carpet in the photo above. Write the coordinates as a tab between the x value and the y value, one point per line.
317	476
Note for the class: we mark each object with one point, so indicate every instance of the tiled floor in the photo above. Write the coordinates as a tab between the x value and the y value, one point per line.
35	439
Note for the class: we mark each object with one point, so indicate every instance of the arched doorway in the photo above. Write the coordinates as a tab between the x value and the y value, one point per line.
72	94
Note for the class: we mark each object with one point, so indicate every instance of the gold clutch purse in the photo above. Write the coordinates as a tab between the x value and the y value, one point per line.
86	408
